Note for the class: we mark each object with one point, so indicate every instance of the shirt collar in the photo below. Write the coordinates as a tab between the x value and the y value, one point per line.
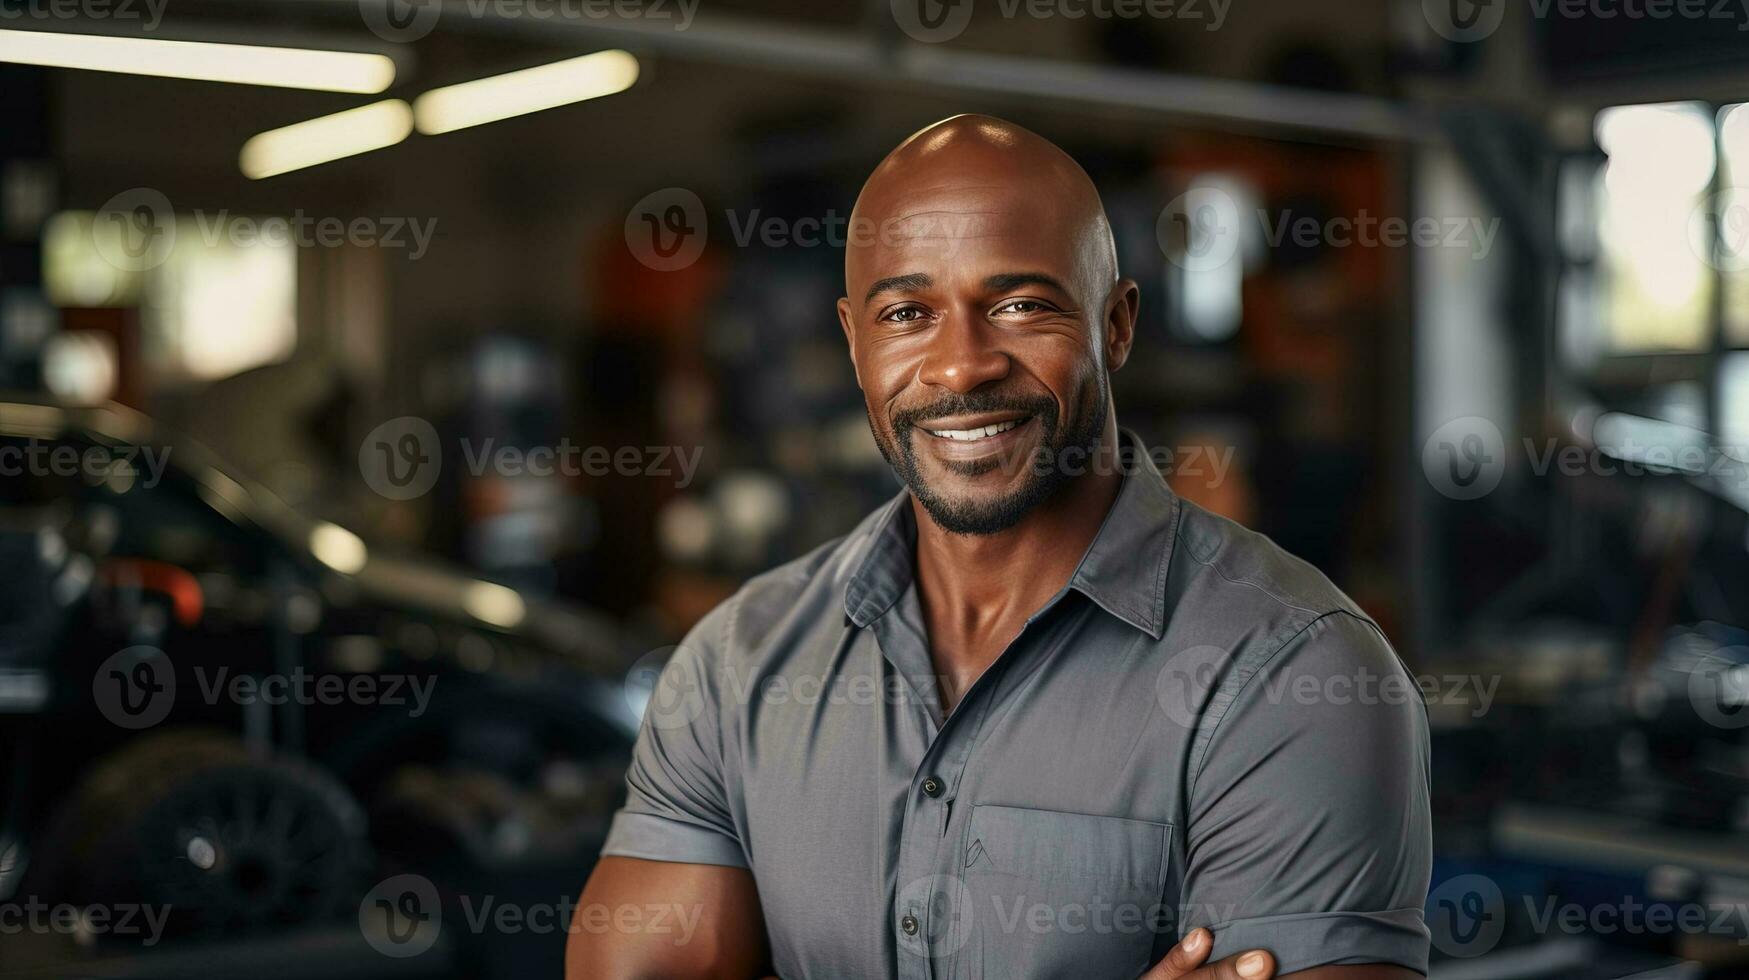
1123	571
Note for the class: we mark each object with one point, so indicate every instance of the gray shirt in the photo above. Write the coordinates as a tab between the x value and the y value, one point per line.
1198	730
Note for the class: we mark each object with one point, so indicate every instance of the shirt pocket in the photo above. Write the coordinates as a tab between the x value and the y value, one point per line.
1056	894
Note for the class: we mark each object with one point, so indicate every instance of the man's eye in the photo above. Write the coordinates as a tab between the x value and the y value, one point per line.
905	314
1022	306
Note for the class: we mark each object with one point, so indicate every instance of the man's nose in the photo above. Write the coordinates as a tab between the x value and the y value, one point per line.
964	352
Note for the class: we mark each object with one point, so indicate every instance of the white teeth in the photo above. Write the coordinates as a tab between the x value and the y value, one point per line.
972	435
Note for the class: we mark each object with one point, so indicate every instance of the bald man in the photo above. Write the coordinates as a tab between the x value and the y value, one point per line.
1037	716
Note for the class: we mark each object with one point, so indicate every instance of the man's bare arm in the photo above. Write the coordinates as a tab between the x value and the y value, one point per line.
1185	962
716	931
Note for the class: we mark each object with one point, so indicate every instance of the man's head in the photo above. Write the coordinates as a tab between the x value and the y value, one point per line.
984	314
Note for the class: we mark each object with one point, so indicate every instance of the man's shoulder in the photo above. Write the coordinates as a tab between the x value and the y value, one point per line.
804	588
1222	564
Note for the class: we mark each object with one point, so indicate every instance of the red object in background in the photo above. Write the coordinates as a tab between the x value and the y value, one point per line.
183	589
629	295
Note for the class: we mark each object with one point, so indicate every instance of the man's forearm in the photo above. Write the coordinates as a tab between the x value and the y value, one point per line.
725	940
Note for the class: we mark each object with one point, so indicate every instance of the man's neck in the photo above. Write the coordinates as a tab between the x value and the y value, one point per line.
977	590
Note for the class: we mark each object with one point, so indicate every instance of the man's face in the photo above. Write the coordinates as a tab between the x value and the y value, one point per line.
977	321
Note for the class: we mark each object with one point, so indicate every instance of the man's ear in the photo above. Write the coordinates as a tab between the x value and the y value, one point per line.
847	320
1120	322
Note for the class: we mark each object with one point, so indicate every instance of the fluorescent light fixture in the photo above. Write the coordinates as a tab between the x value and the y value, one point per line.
494	604
325	138
243	64
338	548
518	93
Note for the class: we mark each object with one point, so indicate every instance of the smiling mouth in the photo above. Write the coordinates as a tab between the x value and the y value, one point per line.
977	433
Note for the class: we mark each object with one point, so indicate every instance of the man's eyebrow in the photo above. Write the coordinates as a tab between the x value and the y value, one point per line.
909	282
1004	281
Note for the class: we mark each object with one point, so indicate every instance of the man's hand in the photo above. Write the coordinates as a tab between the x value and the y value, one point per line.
1184	962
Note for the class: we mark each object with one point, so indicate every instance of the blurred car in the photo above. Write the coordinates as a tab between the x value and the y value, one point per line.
214	704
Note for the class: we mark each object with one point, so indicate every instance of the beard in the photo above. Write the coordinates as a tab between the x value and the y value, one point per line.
1044	475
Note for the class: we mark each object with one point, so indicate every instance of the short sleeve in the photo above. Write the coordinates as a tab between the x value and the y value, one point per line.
677	806
1309	831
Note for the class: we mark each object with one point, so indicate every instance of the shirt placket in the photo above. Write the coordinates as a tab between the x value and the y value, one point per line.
931	917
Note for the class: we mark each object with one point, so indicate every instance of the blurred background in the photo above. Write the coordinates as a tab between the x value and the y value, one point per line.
381	401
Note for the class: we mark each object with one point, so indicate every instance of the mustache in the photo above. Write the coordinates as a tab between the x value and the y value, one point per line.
969	403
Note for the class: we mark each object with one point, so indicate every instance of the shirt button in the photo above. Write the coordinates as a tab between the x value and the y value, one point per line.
909	925
932	787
